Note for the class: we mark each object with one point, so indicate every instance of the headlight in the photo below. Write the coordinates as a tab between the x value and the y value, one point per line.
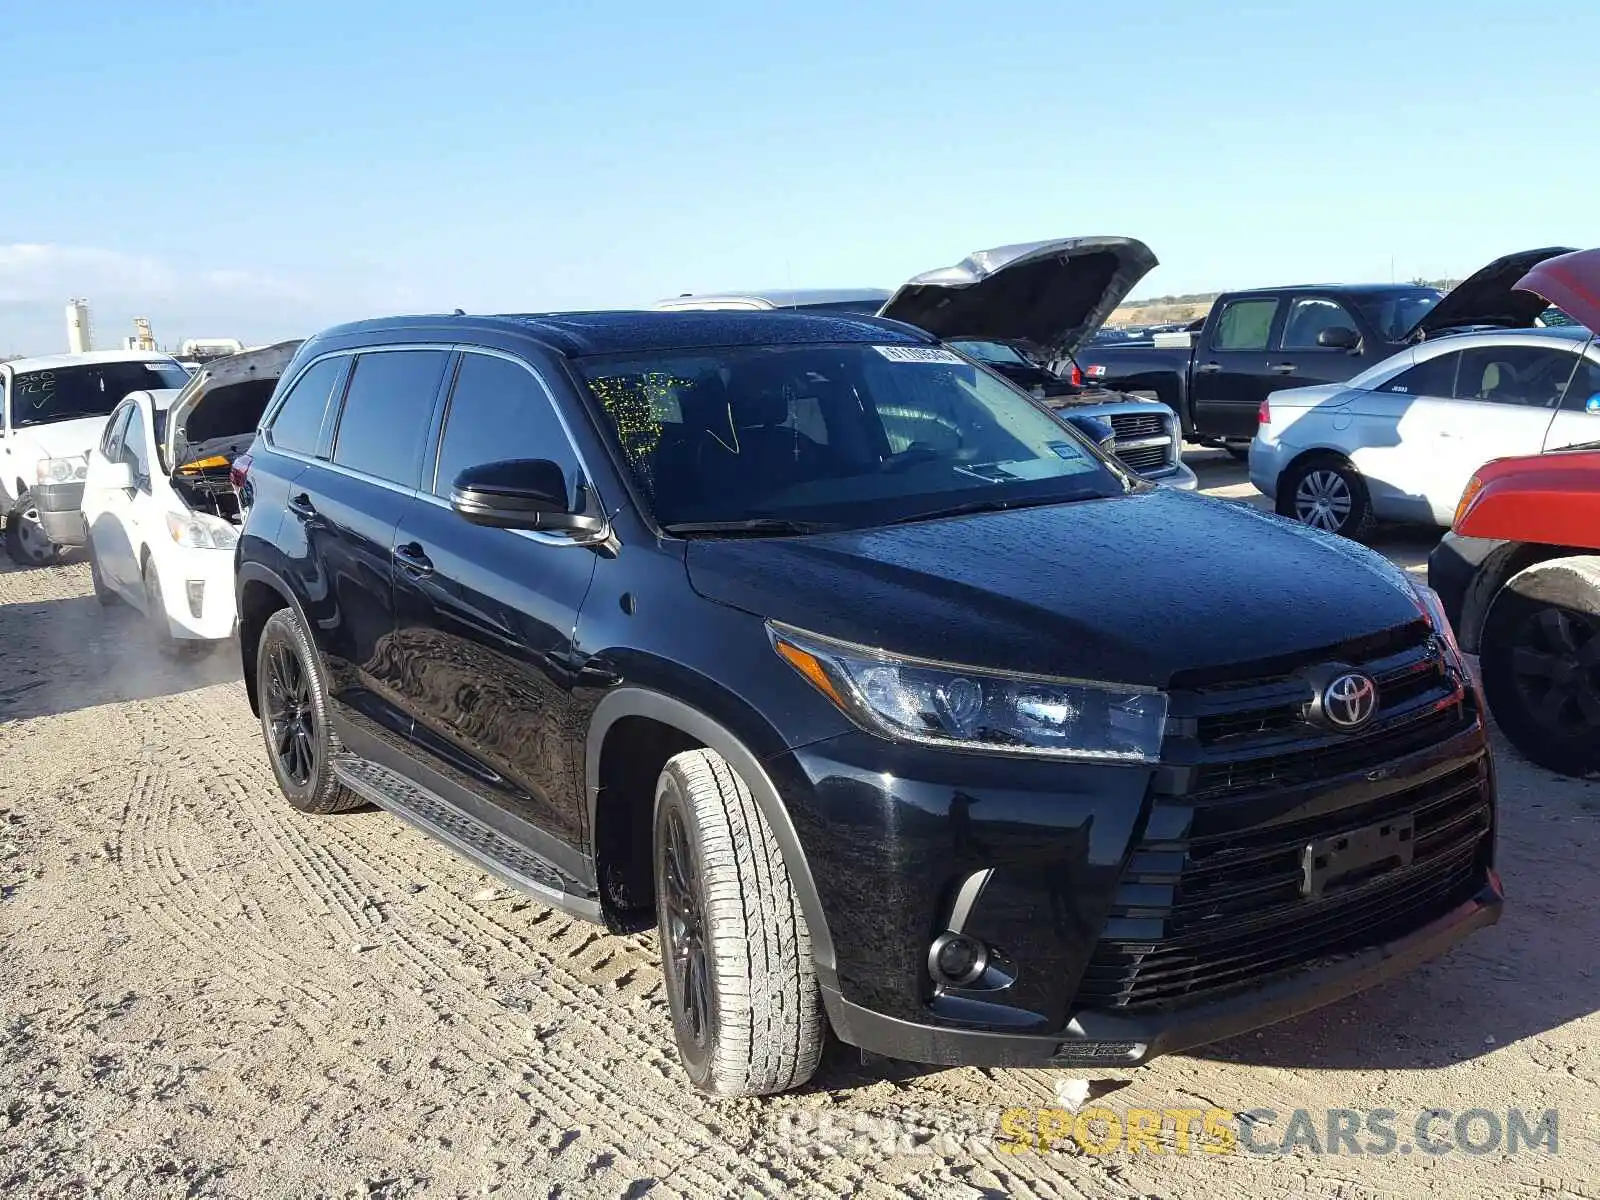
937	704
201	532
1433	610
63	470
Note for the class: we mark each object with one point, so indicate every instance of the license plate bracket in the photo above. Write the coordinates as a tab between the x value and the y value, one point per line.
1345	860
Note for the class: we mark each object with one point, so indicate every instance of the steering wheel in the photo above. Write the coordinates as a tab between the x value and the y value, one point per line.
912	455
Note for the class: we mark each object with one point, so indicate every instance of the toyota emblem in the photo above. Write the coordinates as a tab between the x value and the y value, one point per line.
1349	701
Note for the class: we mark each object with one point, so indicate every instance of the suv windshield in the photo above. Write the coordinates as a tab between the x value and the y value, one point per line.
846	435
1393	314
86	389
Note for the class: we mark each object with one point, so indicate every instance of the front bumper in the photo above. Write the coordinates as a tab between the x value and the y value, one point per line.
1101	1039
61	512
1455	572
1180	478
1081	861
197	586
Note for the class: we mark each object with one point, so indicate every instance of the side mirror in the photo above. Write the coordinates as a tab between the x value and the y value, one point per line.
1338	337
117	476
1592	405
521	493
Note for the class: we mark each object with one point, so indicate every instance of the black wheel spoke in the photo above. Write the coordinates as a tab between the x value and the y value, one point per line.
1549	707
1588	698
1557	628
1525	660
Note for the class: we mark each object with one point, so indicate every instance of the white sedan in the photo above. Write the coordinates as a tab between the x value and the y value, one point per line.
1400	441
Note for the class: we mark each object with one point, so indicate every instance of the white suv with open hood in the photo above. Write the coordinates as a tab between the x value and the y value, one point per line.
54	409
158	502
1024	311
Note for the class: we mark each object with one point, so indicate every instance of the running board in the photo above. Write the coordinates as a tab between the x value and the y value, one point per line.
465	834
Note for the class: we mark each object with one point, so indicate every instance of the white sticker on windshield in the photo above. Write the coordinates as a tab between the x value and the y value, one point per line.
920	354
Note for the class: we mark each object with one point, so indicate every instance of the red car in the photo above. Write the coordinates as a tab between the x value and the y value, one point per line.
1519	572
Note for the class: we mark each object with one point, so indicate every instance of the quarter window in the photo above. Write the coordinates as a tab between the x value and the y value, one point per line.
1245	325
497	412
298	424
1584	384
388	409
1309	316
1432	377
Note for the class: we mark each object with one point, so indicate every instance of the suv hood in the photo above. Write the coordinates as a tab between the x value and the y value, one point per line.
1132	589
1490	296
1571	282
1049	297
223	401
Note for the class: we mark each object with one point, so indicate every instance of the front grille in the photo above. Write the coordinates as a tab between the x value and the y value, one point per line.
1143	459
1139	425
1212	898
1144	441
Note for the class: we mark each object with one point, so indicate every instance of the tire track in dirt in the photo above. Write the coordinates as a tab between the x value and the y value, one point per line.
586	974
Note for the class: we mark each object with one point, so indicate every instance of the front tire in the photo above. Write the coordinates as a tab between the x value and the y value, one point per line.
27	544
1540	655
102	592
294	718
1327	493
735	949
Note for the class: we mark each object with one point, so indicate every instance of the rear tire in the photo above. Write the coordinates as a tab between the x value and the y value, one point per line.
1327	493
27	544
1540	655
294	718
735	949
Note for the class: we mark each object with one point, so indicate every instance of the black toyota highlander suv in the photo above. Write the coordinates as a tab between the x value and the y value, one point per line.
896	705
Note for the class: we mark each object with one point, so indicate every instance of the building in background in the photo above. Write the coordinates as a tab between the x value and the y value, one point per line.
205	349
143	338
79	338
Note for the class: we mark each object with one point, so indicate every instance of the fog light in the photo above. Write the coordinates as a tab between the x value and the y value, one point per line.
197	596
955	958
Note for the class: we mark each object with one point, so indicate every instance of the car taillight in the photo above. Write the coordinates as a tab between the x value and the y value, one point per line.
240	469
1474	486
1264	414
1076	377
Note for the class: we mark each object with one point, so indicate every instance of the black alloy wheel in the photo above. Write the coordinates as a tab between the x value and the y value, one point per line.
1540	656
294	718
685	956
290	718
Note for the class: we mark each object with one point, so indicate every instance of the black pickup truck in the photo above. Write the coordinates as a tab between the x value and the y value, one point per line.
1255	342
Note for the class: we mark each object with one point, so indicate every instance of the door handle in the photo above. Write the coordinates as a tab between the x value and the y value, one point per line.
1209	368
411	558
1283	369
302	507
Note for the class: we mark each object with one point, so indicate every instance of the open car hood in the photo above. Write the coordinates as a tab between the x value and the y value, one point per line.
1571	282
1049	297
223	401
1490	296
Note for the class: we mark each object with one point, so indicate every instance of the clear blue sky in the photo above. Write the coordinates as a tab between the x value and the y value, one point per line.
260	170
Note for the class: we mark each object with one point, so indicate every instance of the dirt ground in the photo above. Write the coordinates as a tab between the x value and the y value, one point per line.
204	993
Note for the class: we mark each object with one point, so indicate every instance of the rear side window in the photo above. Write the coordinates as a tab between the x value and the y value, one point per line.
1309	316
298	425
1525	376
1245	325
388	409
1435	377
498	411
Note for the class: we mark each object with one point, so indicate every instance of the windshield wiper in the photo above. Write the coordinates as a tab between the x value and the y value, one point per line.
981	506
752	527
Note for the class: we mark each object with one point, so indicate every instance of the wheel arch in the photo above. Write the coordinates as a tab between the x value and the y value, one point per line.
638	702
1498	569
258	593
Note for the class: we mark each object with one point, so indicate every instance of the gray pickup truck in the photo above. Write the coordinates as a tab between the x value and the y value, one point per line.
1024	311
